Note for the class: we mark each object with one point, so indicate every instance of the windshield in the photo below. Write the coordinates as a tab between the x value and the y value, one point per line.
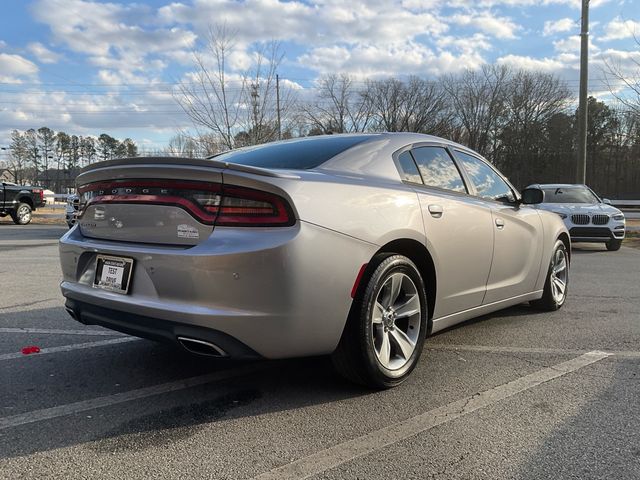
569	195
299	154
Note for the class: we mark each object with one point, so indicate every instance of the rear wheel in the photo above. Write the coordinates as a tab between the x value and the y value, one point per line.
22	214
384	335
613	245
555	288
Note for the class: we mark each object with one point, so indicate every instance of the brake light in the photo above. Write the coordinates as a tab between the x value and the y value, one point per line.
40	192
209	203
242	206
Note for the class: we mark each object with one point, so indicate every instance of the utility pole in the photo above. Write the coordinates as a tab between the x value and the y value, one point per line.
278	105
581	170
256	134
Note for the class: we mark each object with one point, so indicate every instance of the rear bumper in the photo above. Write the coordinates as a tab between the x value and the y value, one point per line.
155	329
276	293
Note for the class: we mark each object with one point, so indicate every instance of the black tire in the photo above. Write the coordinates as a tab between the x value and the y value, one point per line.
355	357
22	214
550	301
613	245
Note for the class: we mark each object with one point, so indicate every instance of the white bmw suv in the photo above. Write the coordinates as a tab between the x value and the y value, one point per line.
587	217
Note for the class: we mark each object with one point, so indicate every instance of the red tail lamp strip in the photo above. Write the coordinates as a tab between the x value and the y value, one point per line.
277	213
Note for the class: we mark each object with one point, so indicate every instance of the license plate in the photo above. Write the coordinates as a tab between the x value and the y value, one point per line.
113	273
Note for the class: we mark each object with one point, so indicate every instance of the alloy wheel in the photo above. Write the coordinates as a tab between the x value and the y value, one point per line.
395	321
559	276
24	214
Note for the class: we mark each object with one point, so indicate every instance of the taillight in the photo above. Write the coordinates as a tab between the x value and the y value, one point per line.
39	192
245	207
210	203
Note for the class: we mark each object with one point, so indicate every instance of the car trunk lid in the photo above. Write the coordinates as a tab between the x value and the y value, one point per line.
173	201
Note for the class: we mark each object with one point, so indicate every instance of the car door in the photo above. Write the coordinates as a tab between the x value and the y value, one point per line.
518	232
458	227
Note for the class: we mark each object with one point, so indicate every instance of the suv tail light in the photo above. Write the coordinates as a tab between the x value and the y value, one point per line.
209	203
40	192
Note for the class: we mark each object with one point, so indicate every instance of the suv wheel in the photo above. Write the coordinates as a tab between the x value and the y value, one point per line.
22	215
385	332
614	245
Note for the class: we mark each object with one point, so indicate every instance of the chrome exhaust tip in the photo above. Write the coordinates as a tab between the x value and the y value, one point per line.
201	347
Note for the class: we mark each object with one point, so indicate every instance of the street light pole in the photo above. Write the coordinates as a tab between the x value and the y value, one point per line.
581	170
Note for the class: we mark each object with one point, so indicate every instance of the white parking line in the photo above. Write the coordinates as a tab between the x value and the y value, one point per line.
524	350
52	331
68	348
108	400
357	447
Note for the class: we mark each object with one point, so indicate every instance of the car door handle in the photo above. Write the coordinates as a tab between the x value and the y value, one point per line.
499	223
435	210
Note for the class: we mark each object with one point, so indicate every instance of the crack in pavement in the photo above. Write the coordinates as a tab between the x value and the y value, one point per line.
27	304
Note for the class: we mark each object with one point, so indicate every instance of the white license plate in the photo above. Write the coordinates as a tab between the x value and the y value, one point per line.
113	273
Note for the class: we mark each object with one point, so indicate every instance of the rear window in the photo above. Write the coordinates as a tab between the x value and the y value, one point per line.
299	154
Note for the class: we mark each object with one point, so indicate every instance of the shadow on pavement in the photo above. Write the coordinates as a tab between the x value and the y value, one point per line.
154	420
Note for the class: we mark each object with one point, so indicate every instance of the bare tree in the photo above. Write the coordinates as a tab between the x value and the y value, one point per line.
339	107
261	118
209	99
531	99
225	103
621	77
416	105
478	100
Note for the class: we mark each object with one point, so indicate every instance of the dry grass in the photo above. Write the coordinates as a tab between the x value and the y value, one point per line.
632	222
42	217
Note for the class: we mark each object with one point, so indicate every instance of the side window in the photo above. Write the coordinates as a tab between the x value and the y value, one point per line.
487	182
408	169
437	168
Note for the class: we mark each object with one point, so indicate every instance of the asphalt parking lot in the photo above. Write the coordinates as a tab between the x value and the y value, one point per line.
517	394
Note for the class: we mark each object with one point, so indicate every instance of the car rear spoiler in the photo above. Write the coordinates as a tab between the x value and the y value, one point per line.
200	162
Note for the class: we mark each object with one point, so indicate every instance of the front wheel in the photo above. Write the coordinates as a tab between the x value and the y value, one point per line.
385	332
614	245
22	215
555	288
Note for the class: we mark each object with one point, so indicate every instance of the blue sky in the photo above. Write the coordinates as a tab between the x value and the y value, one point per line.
88	67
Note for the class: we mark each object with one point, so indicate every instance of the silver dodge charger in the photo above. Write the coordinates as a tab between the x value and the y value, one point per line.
358	246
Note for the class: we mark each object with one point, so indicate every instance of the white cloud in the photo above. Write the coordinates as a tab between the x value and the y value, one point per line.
475	43
13	68
401	59
42	53
618	29
559	26
125	38
521	3
323	23
529	63
496	26
572	43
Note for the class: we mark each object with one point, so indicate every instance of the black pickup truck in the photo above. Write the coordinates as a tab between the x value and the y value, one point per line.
19	201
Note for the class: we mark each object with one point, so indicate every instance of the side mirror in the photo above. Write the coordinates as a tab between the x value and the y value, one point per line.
607	201
532	196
